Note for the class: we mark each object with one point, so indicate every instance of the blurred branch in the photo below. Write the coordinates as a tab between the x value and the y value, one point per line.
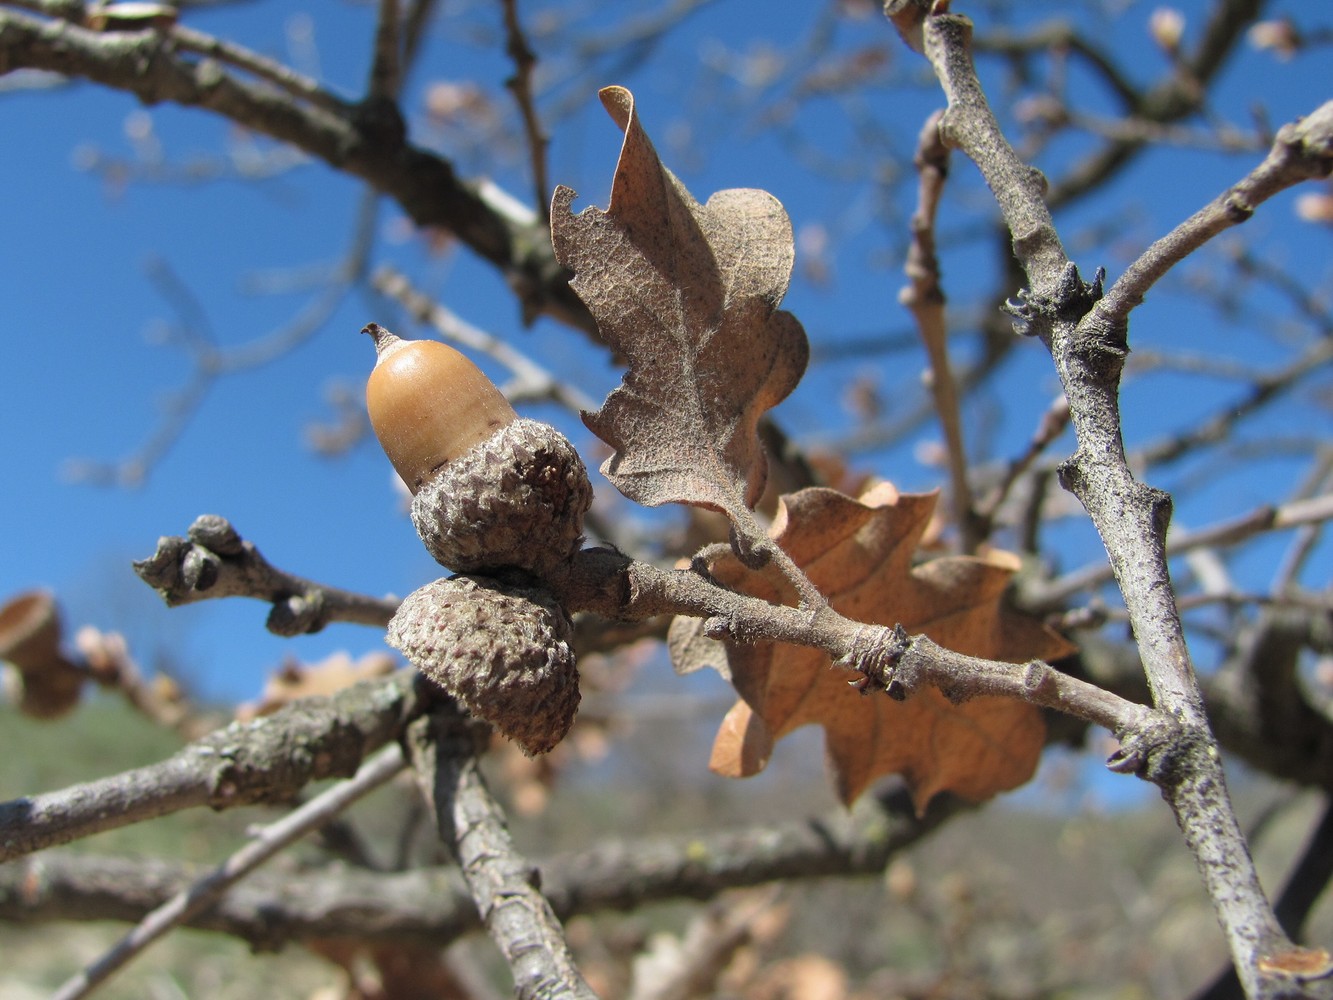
1051	425
267	760
209	362
204	892
1267	387
520	84
1315	510
531	380
214	561
1176	97
925	298
1059	36
433	905
386	70
149	65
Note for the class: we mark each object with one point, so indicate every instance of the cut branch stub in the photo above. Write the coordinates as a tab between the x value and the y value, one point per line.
687	294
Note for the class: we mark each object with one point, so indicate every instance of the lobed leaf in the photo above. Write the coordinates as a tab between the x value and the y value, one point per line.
687	294
860	553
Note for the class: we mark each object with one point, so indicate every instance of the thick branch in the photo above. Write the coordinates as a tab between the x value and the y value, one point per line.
504	886
1130	517
970	125
267	760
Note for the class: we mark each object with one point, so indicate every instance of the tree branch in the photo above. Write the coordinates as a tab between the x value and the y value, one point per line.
1130	517
356	139
1303	150
504	886
204	892
434	905
267	760
214	561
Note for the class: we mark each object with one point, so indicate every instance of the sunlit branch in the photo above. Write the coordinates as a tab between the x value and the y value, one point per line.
204	892
504	885
1303	150
243	764
213	561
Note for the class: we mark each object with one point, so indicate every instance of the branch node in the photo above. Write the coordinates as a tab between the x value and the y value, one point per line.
1069	301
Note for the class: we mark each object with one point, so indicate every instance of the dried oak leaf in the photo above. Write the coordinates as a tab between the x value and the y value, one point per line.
687	294
859	554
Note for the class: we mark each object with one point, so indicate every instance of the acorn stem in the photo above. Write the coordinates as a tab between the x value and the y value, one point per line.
383	338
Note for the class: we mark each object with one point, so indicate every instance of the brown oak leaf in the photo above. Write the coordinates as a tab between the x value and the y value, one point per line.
859	553
687	294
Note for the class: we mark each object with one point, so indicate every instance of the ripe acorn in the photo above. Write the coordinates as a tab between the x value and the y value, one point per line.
503	651
490	490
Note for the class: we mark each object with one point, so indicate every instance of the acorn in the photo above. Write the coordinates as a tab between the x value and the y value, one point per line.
503	651
489	490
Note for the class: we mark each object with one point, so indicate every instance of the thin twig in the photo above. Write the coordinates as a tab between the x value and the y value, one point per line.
520	84
210	363
1303	150
285	78
265	843
925	298
1307	537
616	586
1051	425
1315	510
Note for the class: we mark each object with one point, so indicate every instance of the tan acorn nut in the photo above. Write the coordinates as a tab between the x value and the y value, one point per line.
504	652
490	490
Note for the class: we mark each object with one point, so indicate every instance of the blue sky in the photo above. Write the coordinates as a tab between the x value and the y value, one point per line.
84	379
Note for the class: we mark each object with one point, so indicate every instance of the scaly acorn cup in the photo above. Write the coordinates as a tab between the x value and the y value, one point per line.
503	651
490	490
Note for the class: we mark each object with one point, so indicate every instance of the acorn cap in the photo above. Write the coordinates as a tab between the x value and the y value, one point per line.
516	499
504	652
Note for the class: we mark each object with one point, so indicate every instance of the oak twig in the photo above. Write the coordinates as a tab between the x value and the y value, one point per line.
1130	517
504	886
924	296
267	760
204	892
214	561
